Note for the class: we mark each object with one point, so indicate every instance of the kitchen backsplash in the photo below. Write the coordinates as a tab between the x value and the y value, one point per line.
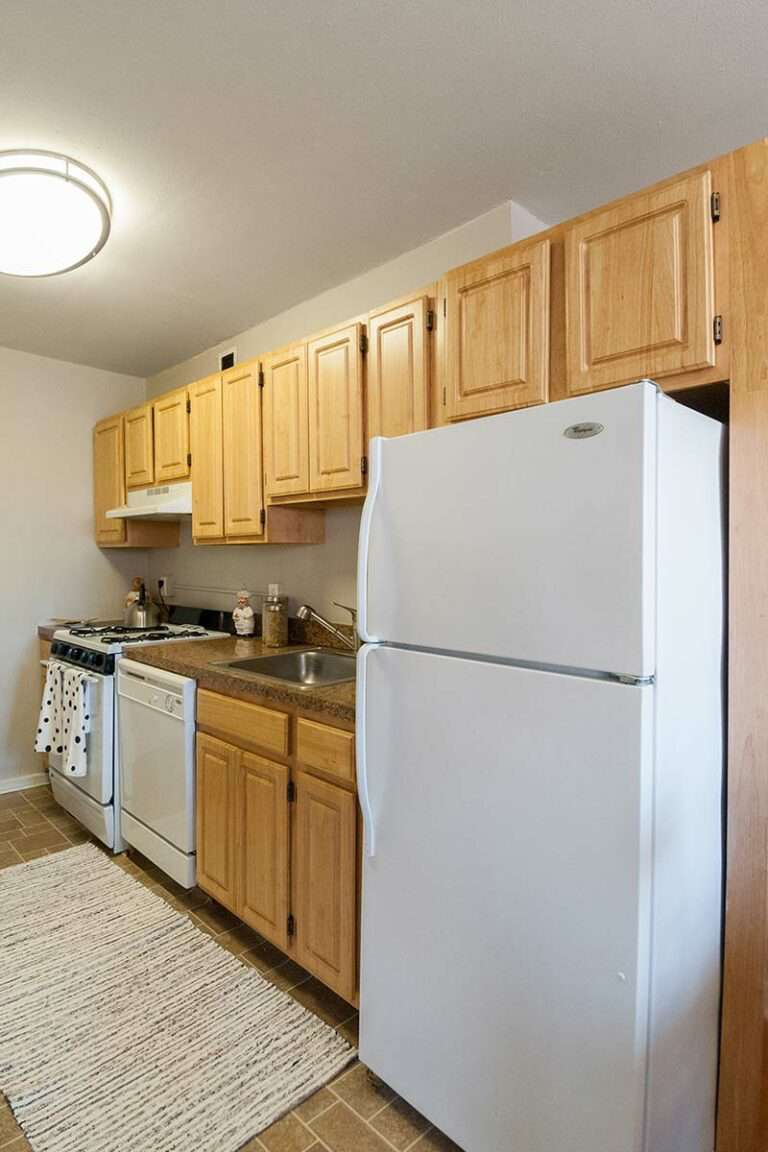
316	574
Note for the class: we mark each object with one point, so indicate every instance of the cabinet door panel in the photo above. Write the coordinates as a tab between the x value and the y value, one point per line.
207	459
496	341
335	411
139	456
218	851
108	479
243	492
263	899
286	422
324	882
171	436
640	287
398	370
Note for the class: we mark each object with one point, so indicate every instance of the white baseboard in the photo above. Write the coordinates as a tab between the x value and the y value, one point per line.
16	783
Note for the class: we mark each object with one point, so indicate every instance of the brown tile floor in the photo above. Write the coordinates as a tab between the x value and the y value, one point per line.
353	1114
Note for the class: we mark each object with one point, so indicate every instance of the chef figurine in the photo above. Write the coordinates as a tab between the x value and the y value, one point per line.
243	617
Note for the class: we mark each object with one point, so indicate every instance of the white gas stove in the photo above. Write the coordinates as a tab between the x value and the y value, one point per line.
93	799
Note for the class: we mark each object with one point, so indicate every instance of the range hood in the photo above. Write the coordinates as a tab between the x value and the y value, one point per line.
168	502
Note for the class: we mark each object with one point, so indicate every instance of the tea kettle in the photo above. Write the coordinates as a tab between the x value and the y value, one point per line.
142	612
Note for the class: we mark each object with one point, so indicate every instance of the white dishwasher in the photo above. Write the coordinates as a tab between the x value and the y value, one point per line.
156	762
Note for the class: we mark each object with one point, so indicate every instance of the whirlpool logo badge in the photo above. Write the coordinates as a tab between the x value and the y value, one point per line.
583	431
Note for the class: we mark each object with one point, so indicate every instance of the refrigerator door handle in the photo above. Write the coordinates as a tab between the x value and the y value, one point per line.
374	452
369	831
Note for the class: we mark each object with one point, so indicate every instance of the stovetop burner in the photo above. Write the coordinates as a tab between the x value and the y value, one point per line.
123	634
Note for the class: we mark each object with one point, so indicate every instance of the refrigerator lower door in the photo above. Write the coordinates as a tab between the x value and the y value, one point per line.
505	940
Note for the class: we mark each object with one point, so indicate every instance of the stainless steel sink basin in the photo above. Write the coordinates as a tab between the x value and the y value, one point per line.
310	668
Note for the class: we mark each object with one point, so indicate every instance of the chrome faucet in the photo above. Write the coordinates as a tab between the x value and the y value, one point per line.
307	612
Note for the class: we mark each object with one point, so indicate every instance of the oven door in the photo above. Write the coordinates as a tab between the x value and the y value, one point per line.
98	783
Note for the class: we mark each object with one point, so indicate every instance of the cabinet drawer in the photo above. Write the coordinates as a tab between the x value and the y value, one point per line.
327	749
248	725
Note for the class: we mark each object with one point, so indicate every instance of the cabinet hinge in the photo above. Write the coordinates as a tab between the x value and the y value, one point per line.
717	329
291	791
714	203
262	516
291	926
363	343
189	405
189	459
445	306
430	320
445	396
261	377
363	465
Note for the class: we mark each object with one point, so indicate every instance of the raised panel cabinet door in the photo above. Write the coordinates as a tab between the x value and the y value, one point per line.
218	847
206	437
496	340
324	882
171	436
640	287
108	479
263	899
286	422
398	369
139	447
243	488
336	410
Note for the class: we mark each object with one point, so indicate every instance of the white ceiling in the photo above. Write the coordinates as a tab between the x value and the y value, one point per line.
260	151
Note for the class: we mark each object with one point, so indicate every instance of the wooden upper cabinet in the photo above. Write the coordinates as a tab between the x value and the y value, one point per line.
205	421
336	445
108	479
218	849
264	895
139	447
324	880
495	347
286	422
640	287
243	488
398	369
171	436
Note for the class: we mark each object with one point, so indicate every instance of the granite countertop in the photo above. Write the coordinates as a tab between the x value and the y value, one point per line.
194	658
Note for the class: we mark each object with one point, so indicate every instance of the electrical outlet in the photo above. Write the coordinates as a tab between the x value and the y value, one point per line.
164	586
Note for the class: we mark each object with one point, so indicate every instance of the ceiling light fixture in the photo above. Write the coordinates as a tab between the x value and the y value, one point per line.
55	214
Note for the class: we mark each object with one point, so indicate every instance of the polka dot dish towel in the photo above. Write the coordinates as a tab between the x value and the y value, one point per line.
65	717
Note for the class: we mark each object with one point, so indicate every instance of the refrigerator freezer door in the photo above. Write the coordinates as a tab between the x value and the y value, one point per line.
518	536
506	906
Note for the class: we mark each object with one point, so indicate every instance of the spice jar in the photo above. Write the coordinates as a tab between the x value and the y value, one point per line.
274	618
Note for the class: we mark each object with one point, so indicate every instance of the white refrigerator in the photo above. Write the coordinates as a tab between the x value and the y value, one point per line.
540	773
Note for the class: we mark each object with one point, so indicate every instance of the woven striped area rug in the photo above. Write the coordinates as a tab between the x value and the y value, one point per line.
124	1028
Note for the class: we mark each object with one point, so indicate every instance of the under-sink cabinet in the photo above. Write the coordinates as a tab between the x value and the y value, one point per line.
278	836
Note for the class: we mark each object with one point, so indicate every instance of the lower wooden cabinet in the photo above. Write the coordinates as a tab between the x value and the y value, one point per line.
325	882
278	843
263	791
218	855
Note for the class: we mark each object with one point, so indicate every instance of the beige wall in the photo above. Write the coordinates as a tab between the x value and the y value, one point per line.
323	573
50	564
317	573
406	273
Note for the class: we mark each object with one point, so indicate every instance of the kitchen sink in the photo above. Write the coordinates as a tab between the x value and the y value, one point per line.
310	668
